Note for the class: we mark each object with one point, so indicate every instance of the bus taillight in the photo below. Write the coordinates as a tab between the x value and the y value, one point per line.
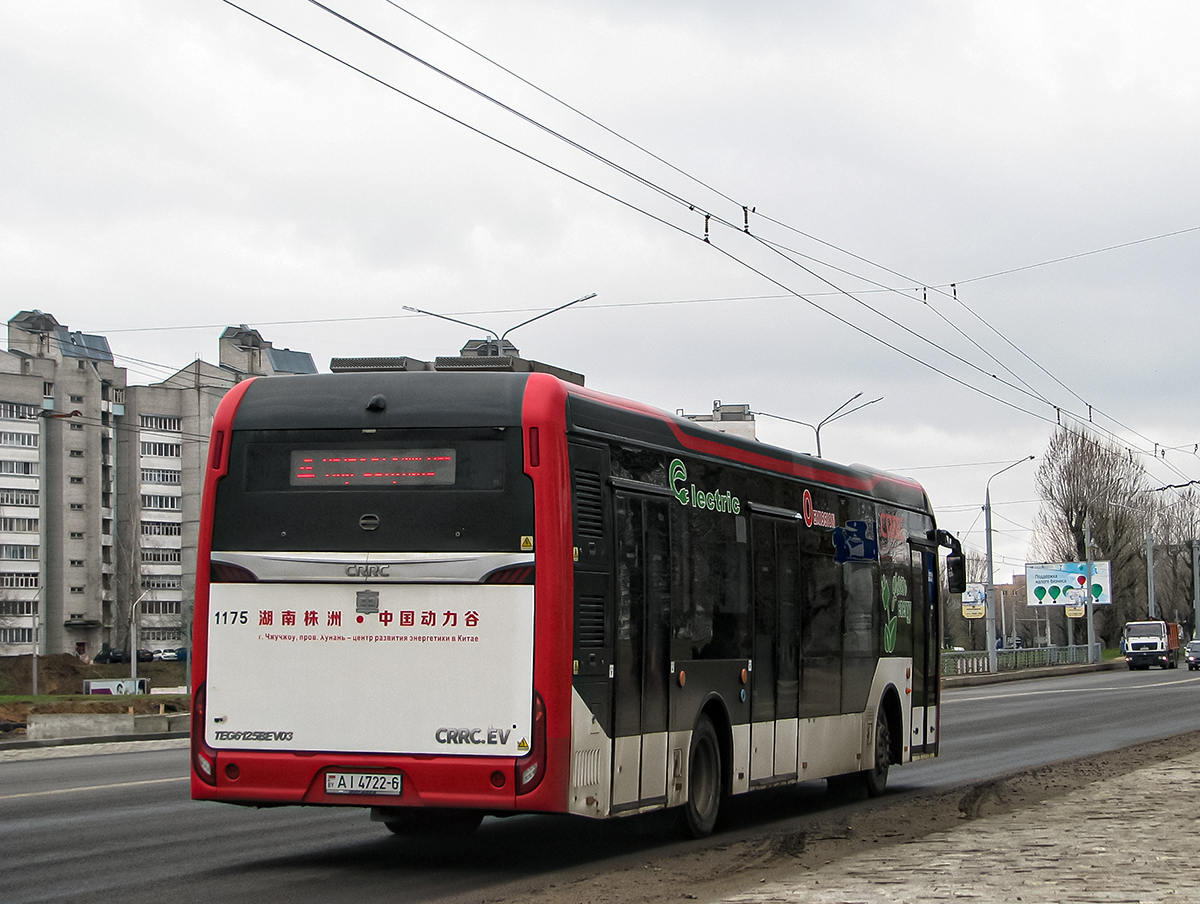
225	573
512	574
531	768
204	758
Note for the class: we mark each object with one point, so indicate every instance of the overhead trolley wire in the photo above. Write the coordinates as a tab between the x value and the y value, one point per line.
709	217
953	286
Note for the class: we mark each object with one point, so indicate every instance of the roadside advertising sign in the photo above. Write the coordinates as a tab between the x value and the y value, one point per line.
1064	584
974	600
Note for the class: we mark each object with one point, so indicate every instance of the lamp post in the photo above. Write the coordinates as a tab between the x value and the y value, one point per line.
993	662
835	415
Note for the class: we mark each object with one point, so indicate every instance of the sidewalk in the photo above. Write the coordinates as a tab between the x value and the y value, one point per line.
1080	847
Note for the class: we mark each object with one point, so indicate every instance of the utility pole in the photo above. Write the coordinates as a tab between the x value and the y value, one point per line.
993	659
1087	586
1150	573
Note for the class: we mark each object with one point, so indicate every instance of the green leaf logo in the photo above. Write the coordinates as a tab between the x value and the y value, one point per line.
889	635
676	474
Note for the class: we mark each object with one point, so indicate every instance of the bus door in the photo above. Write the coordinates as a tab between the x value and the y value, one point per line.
641	676
926	633
775	685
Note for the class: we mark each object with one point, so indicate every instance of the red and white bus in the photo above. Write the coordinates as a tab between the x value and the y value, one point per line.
448	595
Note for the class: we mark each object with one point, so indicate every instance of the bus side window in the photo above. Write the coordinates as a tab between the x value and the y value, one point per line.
821	636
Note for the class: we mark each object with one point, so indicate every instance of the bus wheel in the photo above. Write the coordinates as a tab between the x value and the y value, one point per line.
433	822
704	780
876	777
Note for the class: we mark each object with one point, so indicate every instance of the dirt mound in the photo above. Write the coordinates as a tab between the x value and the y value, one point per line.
64	673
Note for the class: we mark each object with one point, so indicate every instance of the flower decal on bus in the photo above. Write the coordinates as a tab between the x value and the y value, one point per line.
897	607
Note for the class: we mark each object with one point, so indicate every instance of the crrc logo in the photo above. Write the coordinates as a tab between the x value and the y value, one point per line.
367	571
472	735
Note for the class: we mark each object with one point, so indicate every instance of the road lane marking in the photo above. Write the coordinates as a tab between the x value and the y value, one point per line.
1067	690
147	781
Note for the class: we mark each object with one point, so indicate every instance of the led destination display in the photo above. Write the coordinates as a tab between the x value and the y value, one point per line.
372	467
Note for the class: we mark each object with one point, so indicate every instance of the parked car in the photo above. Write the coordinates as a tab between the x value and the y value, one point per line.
1192	652
167	655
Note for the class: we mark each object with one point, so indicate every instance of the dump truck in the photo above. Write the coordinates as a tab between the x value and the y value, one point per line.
1150	643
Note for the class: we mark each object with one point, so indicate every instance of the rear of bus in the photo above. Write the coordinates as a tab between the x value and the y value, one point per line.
365	616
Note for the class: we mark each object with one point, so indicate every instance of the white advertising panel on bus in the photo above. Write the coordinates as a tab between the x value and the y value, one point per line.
1062	584
400	668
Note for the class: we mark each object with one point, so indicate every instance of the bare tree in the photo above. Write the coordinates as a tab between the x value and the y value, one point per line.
957	631
1173	532
1082	477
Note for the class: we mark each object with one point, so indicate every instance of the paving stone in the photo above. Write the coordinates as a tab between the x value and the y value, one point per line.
1089	847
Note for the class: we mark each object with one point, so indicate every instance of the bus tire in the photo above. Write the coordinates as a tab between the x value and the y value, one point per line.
875	778
704	780
433	822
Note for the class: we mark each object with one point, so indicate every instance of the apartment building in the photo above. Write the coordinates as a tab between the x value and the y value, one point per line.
61	398
100	486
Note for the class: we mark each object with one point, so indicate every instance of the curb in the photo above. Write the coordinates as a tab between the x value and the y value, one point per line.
102	739
1050	671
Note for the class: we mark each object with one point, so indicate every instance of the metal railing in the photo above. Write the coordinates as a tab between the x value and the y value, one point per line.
975	662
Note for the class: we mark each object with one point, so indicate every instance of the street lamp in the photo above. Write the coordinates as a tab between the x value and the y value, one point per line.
993	663
835	415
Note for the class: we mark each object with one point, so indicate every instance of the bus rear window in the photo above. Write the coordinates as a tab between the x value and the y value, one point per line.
427	489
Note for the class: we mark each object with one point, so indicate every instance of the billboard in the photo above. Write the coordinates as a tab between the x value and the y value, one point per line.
974	601
1062	584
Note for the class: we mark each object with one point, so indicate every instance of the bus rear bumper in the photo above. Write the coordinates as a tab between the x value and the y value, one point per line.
274	778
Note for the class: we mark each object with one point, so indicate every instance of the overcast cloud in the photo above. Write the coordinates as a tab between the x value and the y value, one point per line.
171	168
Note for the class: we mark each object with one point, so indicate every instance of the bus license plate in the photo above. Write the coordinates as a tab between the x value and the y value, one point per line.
361	783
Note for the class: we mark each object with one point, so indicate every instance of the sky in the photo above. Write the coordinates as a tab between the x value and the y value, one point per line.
982	214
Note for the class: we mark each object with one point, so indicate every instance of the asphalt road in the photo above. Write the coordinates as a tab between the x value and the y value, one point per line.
119	826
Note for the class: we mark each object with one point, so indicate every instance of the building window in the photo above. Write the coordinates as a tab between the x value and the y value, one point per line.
24	468
17	579
18	497
77	589
77	453
161	422
76	535
161	607
161	529
160	635
77	506
158	555
77	563
47	389
161	582
161	475
19	525
160	502
76	480
9	438
76	398
75	426
17	552
164	450
16	411
16	635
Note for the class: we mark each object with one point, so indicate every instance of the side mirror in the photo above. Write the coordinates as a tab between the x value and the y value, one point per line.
956	572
